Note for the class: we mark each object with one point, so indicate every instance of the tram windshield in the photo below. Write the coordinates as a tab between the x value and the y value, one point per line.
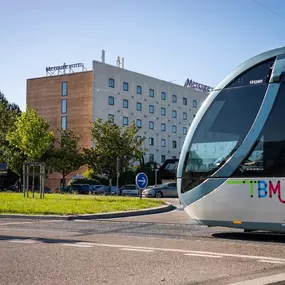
225	125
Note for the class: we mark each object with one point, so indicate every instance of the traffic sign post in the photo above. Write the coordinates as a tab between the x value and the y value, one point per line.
141	182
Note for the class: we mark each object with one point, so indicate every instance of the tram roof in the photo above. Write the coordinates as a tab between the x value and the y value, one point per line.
248	64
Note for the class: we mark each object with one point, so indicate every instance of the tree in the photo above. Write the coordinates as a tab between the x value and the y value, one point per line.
66	157
13	156
31	135
113	144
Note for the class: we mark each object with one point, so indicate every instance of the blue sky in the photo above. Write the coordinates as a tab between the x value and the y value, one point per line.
168	39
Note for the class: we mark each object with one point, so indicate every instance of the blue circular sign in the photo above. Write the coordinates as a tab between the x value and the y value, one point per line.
141	180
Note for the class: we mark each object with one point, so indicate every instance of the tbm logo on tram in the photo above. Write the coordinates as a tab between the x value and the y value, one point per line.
262	188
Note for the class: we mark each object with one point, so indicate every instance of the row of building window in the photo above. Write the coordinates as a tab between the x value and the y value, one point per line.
151	124
151	108
162	142
151	93
163	158
64	90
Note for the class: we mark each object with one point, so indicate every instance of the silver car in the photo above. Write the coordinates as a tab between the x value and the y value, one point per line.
163	190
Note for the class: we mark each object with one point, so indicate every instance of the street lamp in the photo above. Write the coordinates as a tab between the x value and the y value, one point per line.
155	168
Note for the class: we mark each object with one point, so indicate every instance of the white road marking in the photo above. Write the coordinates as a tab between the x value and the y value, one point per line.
134	249
203	255
23	241
76	245
262	280
86	243
193	252
272	261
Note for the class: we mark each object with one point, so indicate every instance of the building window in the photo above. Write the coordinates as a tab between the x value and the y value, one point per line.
194	115
163	96
162	158
125	103
163	127
151	108
111	83
64	122
174	129
184	101
139	89
111	100
184	116
194	103
111	118
174	114
174	99
139	106
126	86
151	157
151	93
174	156
139	123
64	88
151	141
163	111
174	144
125	121
151	125
184	131
63	106
163	142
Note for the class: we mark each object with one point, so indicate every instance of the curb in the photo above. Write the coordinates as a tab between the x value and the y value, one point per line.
162	209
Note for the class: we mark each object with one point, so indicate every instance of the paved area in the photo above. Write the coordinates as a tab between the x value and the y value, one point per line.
157	249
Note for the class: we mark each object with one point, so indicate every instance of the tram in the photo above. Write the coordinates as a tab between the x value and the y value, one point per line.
231	171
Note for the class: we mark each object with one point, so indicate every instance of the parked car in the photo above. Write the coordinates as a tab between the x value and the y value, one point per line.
105	190
80	188
163	190
96	189
129	190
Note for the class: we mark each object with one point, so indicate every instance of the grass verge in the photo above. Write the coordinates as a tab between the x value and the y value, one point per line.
64	204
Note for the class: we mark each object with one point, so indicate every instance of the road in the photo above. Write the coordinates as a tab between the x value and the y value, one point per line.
156	249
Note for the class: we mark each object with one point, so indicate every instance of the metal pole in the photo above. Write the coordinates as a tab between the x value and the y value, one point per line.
118	174
24	180
156	176
40	181
33	186
43	181
28	179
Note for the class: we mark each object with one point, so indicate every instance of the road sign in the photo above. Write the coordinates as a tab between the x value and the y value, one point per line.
141	180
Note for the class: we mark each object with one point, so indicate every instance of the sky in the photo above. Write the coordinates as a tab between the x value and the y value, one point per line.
173	40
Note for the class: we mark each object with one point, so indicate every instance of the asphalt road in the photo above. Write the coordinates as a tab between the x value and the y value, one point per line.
157	249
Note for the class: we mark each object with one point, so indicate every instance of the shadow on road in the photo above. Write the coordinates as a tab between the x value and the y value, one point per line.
254	236
42	240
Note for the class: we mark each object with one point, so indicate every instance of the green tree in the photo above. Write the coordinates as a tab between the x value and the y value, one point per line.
12	155
31	135
113	143
66	154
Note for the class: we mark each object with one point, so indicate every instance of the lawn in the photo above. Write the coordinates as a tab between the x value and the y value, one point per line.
65	204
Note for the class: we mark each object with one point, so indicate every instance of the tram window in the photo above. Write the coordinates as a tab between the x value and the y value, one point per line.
268	155
257	75
223	128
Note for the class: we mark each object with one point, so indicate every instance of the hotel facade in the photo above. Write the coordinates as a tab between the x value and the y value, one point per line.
162	110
